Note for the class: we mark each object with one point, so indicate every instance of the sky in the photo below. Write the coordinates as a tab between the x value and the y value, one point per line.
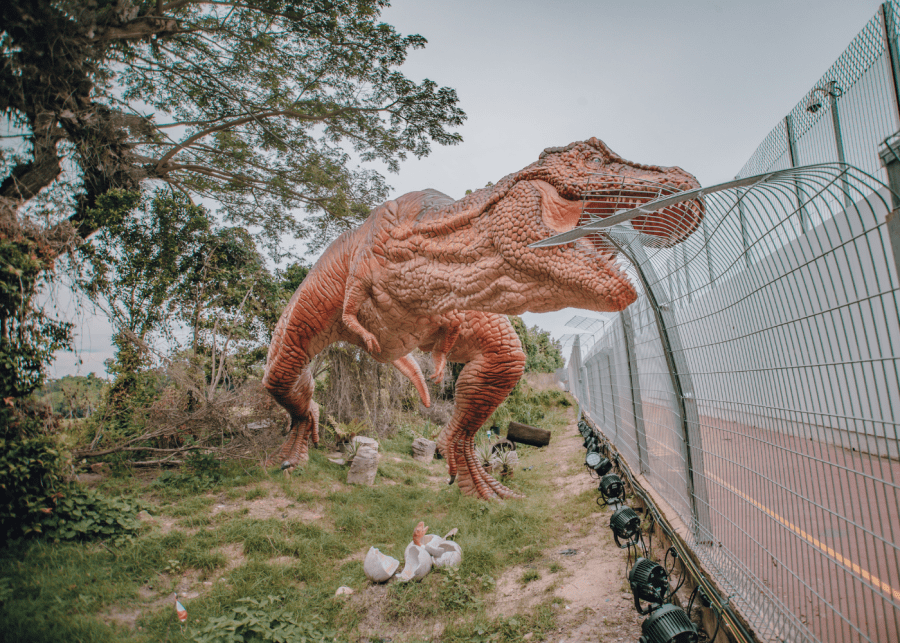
697	84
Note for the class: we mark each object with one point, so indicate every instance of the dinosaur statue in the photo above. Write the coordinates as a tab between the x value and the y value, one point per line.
429	272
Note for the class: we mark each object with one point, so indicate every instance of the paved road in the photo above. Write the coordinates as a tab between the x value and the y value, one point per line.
818	524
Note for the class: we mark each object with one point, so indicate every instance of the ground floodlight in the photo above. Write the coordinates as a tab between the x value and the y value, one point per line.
597	462
669	624
612	488
591	443
625	525
649	582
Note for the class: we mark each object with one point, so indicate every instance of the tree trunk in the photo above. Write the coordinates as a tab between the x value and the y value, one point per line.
524	434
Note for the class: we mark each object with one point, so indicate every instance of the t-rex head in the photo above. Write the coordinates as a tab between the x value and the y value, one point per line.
566	187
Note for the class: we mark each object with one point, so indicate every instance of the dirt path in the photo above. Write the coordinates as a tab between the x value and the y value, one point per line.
584	569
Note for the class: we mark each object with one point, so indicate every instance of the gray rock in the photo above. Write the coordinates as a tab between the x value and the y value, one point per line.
364	467
423	450
363	441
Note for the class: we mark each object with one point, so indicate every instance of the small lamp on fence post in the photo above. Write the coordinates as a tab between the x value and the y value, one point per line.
649	582
669	624
625	525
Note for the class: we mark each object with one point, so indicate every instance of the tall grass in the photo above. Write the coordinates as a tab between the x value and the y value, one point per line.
68	591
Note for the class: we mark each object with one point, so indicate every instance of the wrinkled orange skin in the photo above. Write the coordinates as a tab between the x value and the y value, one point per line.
441	275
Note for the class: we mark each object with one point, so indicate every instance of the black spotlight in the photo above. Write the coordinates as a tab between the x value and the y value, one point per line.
591	443
612	488
649	582
669	624
597	462
625	524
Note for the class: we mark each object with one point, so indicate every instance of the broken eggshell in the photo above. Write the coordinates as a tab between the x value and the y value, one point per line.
449	554
418	563
378	567
431	542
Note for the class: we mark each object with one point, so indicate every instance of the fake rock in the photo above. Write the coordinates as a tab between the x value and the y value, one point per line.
379	567
364	467
423	450
363	441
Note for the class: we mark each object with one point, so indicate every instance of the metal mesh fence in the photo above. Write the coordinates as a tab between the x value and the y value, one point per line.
756	384
756	381
850	111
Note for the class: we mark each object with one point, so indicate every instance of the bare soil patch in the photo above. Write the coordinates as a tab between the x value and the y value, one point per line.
591	582
274	505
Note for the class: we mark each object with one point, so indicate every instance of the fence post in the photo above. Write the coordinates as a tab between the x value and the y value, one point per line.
792	155
838	137
578	379
635	379
630	246
613	395
890	159
708	254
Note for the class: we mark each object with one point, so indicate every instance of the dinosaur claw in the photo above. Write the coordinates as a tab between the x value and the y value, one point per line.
452	479
372	344
287	464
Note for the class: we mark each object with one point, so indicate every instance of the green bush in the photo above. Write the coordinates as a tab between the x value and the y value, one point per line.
200	472
34	500
29	479
262	620
85	514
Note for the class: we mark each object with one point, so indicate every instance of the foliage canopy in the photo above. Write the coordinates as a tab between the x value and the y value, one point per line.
256	105
250	103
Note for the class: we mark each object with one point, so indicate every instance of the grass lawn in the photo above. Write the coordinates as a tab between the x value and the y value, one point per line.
255	555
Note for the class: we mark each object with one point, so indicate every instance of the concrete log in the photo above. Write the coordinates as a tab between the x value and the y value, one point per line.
524	434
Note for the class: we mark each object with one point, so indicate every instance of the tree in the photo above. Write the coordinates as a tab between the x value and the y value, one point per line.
249	103
160	265
543	354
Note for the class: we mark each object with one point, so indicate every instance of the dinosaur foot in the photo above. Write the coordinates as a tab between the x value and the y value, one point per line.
473	480
295	450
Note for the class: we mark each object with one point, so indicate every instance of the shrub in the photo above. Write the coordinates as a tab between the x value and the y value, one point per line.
262	620
85	514
29	478
200	472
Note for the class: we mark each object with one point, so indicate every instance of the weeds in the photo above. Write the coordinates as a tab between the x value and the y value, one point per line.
288	570
459	593
263	620
530	575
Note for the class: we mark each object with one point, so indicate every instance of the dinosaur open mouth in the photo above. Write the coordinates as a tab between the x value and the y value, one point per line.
669	225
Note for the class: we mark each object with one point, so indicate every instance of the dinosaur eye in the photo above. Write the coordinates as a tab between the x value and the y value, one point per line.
594	161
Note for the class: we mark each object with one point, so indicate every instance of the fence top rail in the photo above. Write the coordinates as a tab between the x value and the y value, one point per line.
794	175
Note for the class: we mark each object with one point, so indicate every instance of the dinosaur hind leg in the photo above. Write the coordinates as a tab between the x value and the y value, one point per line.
296	398
492	371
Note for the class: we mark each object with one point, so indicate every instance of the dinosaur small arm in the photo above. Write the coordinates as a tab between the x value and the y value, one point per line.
429	272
